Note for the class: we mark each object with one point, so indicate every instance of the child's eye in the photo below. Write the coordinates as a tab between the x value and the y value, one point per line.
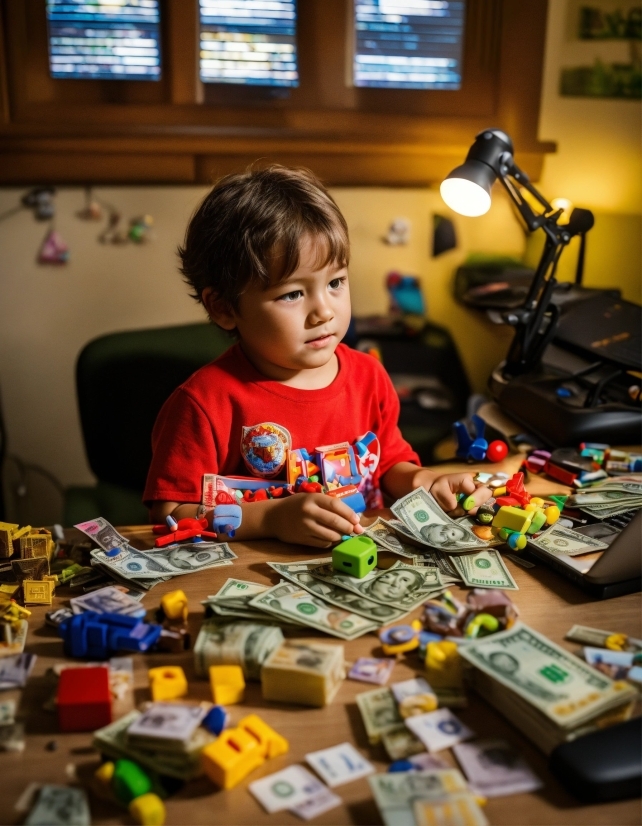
291	296
336	282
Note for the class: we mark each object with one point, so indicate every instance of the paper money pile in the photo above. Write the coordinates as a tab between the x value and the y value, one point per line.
247	644
147	568
612	497
546	692
303	673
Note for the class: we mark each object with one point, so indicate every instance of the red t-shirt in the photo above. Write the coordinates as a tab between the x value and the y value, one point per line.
213	423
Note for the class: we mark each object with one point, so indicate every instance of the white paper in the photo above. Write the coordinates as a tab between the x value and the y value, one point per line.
339	764
439	729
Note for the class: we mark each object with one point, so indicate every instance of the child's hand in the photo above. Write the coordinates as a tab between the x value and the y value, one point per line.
312	519
444	489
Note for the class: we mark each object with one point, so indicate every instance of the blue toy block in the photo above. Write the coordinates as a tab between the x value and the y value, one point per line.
471	446
355	501
215	720
99	636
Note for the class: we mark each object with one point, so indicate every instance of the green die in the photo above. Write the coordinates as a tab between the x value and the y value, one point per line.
356	556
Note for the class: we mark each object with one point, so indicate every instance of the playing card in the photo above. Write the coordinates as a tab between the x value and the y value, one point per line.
439	729
372	670
285	789
321	802
409	688
339	764
495	769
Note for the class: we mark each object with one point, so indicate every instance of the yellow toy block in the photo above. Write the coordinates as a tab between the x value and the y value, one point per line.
227	683
443	664
37	591
167	683
7	530
105	772
148	810
271	743
174	605
516	519
231	757
36	543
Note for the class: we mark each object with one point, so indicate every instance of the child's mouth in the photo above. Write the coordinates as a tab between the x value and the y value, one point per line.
322	341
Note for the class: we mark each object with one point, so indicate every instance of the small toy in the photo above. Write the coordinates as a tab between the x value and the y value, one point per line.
471	445
227	684
98	636
356	555
352	497
405	293
444	665
227	515
37	592
497	451
398	639
513	518
187	528
148	810
167	682
231	757
129	781
215	720
174	605
83	699
307	673
271	743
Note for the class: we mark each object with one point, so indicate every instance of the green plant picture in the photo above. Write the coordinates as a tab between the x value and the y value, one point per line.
607	78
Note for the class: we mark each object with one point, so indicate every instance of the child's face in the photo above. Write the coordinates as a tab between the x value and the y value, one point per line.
296	324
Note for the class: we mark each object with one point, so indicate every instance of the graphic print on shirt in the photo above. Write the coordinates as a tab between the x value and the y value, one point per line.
264	448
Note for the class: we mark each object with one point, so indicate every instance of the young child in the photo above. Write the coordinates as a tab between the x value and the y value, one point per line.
267	254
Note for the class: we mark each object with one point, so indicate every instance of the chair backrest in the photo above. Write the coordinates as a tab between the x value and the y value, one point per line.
122	381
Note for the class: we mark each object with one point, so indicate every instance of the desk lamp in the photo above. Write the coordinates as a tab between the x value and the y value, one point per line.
466	190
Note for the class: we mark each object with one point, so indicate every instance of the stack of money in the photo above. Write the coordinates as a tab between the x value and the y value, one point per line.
437	796
306	673
546	692
612	497
561	541
247	644
233	600
147	568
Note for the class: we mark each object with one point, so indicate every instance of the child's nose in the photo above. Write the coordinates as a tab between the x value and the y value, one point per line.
321	311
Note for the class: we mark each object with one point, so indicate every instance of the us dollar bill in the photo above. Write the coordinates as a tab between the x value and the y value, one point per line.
384	535
247	644
485	569
597	638
563	688
291	602
173	560
395	793
400	586
607	494
461	807
103	533
421	514
233	599
561	541
300	574
401	743
379	712
60	806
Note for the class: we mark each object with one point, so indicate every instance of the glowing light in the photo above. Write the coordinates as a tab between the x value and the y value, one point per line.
465	197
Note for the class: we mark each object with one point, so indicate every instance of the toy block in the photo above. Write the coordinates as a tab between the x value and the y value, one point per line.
174	605
271	743
37	592
100	635
148	810
356	556
17	535
537	523
443	664
167	683
231	757
308	673
7	529
37	543
215	720
514	518
130	781
567	477
84	699
352	497
227	683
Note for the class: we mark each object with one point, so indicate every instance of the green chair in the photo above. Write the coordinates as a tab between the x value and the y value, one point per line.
122	381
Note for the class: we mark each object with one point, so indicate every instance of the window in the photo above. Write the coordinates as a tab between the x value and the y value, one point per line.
250	42
116	40
408	44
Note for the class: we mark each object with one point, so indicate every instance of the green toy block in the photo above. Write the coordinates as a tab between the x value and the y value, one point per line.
129	781
559	500
356	555
537	523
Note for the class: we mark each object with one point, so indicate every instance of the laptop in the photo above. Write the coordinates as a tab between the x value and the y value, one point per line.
609	573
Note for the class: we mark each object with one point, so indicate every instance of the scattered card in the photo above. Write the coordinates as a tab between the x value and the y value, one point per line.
372	670
425	762
339	764
321	802
410	688
286	789
439	729
15	670
495	769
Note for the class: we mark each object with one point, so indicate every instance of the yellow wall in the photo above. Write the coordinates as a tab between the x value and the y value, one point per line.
47	314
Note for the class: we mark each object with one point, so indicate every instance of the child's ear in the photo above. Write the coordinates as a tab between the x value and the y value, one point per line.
218	309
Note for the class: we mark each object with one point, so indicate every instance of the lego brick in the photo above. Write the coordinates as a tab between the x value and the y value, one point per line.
174	605
514	518
37	592
567	477
167	682
231	757
7	530
271	743
444	665
84	699
227	684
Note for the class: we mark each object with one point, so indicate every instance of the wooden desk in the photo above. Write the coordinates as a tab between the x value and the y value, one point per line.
546	601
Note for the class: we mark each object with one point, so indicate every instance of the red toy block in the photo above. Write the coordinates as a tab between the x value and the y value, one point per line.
510	501
559	473
84	699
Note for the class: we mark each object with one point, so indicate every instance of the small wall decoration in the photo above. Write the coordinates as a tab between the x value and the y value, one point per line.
605	38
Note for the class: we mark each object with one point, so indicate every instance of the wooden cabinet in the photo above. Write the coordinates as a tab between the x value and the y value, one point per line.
178	130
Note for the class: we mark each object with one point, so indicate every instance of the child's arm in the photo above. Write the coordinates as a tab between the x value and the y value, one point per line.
305	519
405	477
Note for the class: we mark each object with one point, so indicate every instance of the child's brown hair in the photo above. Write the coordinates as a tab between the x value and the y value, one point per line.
249	228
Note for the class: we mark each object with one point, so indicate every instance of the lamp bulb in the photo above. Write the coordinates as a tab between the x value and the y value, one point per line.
465	197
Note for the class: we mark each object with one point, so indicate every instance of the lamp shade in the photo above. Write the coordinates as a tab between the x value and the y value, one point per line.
467	189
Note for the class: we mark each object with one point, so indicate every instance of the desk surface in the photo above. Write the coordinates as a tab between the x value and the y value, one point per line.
546	601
